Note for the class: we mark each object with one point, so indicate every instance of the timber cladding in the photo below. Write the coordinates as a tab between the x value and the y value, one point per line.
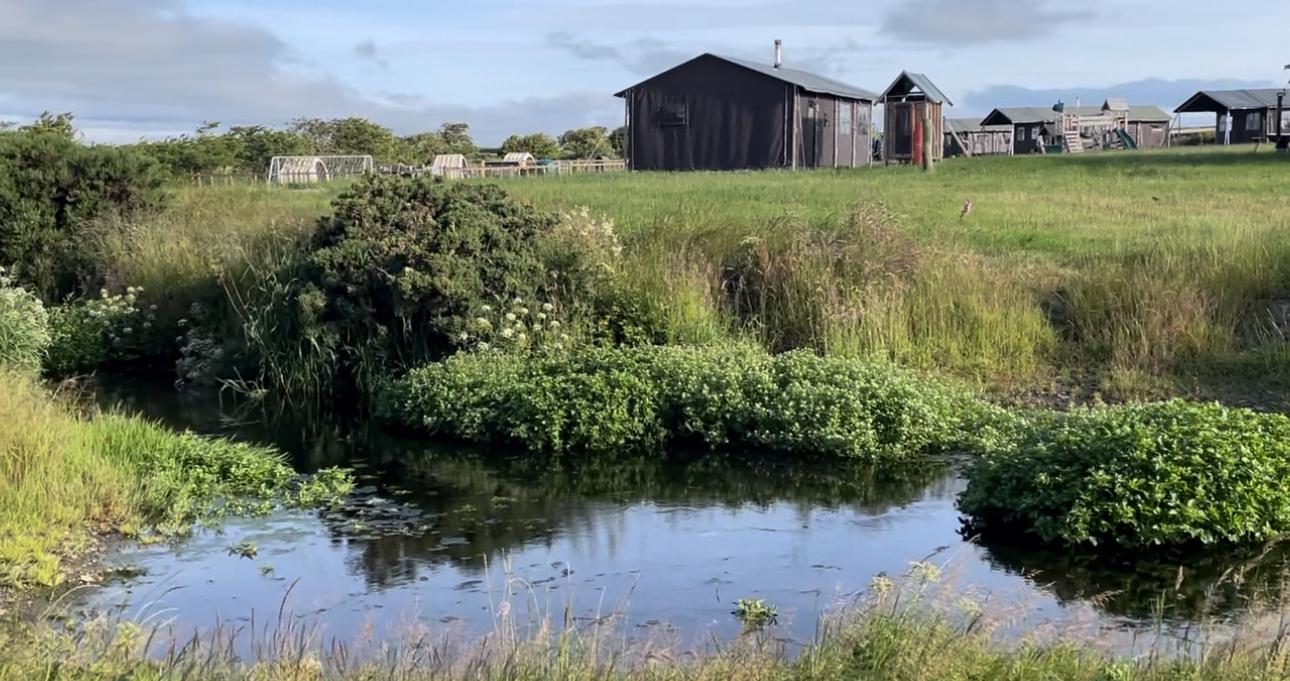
720	113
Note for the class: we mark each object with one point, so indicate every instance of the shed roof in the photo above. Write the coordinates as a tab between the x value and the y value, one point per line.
1219	101
803	79
907	82
968	125
1030	115
1115	104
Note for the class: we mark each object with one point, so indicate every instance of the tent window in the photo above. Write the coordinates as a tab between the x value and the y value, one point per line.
844	120
673	113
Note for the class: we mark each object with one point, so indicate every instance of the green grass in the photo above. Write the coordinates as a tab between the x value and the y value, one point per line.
67	478
1117	276
1114	275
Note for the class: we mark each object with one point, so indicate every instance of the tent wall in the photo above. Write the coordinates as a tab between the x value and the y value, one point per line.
709	115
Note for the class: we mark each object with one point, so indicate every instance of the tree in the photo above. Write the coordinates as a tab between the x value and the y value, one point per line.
257	145
351	135
457	140
592	142
540	144
618	140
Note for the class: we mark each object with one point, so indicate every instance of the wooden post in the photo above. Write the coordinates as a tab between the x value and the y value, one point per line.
929	163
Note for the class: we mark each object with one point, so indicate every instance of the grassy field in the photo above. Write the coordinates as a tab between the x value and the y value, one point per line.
1114	276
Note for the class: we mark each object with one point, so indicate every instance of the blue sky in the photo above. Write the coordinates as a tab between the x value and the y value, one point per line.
135	68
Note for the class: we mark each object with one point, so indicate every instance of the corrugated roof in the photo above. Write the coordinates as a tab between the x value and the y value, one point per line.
966	125
1029	115
803	79
907	81
1213	100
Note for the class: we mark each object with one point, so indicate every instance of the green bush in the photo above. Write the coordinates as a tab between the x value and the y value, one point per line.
89	333
391	278
51	189
598	399
24	327
1137	476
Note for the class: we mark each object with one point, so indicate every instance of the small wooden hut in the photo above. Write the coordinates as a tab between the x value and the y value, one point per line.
914	120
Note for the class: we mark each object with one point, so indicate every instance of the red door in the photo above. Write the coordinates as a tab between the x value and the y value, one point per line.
918	138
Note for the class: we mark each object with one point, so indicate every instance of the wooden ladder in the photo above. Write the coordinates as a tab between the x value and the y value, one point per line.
1074	144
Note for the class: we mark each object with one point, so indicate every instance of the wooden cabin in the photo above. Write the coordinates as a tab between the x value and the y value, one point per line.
723	113
1241	116
911	106
967	137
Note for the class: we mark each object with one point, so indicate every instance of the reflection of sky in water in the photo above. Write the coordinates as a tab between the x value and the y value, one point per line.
432	537
674	563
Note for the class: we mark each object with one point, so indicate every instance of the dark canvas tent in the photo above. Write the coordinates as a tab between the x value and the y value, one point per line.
722	113
1249	115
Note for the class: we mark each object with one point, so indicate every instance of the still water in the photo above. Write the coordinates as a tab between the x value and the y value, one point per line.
446	539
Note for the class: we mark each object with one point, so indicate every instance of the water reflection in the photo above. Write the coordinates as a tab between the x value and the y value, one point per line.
432	528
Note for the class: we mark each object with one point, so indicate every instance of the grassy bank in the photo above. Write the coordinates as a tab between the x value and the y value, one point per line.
1113	276
902	630
68	478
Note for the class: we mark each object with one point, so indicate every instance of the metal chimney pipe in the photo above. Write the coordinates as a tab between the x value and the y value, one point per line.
779	53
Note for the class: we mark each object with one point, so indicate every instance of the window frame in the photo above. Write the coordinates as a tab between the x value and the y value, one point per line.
673	112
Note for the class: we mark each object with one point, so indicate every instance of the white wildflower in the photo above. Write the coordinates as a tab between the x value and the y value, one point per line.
548	307
541	316
510	317
508	332
485	347
555	323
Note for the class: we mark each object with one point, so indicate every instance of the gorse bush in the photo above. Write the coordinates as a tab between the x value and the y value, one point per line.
392	276
1137	476
599	399
52	190
24	327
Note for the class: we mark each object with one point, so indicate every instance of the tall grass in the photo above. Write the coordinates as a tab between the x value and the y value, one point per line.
898	630
67	478
1122	275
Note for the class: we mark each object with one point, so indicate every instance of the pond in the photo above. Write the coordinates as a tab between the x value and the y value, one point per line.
445	539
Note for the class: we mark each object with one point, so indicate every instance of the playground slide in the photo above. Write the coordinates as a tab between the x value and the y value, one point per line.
1129	142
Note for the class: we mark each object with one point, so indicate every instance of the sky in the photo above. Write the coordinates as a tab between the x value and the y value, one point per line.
131	69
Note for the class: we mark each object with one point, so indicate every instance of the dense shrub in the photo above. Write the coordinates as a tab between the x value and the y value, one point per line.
610	398
392	276
88	333
51	189
1167	473
24	327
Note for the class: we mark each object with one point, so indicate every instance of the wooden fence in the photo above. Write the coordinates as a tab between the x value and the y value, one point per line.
466	172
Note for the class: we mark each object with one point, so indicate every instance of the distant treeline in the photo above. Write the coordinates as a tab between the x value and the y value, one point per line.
247	149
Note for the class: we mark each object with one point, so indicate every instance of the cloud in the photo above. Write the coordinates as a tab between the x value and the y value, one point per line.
1167	94
151	66
368	51
649	56
958	23
641	56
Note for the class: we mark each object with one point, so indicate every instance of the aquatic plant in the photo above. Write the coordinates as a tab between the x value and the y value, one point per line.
244	549
755	613
601	399
1171	473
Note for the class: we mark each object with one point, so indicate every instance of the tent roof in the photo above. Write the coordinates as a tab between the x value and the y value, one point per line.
803	79
1219	101
907	82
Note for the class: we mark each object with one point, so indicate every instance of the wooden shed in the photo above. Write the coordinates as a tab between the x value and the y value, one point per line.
1242	116
912	106
967	137
722	113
